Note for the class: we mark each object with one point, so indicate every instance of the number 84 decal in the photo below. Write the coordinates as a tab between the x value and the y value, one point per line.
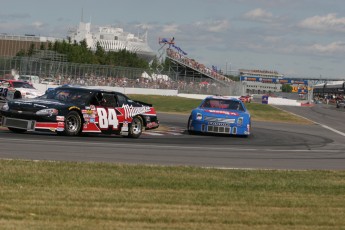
107	118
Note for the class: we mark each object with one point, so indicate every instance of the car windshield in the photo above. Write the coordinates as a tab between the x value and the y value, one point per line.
18	84
222	104
67	95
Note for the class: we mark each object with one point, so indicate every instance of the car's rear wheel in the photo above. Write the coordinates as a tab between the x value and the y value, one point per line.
136	127
72	124
15	130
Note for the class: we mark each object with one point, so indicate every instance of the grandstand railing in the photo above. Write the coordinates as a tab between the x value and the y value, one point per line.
183	60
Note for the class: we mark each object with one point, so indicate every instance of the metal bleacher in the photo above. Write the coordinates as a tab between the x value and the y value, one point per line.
184	69
181	65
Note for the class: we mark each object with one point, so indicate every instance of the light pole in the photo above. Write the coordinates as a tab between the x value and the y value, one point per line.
226	68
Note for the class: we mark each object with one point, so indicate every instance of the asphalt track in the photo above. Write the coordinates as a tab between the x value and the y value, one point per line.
320	145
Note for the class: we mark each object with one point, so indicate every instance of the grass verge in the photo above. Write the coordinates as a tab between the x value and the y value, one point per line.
62	195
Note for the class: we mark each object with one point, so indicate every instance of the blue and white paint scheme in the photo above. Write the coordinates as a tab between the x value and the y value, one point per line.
221	115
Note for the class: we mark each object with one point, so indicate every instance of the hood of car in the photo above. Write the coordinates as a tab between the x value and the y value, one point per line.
36	104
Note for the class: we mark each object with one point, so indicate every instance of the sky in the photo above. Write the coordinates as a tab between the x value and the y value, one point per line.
297	38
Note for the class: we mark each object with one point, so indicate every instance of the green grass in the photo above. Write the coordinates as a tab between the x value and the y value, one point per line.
172	104
62	195
56	195
259	112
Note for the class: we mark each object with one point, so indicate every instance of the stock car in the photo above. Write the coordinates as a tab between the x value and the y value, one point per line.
220	115
71	111
14	89
245	99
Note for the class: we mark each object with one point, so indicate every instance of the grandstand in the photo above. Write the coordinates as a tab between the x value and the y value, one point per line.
195	75
199	76
335	88
10	45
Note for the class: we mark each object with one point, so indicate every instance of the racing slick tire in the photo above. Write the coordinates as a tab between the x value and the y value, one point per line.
17	95
15	130
190	132
73	124
136	127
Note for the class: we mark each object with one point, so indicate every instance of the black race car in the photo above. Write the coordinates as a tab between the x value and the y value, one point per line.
74	110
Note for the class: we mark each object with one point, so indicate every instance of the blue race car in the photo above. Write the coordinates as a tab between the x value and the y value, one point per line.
221	115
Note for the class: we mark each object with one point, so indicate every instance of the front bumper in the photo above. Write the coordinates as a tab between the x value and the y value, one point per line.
219	128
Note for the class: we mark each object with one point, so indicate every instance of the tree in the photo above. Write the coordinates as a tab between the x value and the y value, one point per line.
31	49
42	46
286	88
101	55
21	53
80	53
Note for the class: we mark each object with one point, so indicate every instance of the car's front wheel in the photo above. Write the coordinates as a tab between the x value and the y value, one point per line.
73	124
136	127
17	95
189	126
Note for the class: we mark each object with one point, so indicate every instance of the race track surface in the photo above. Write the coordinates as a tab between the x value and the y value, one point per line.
271	145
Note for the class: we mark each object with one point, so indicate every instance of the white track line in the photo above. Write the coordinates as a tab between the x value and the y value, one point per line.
322	125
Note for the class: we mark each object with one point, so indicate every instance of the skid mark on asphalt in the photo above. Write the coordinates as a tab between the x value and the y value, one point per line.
171	131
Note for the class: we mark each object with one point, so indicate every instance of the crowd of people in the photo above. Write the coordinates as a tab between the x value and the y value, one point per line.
211	72
328	99
144	81
212	82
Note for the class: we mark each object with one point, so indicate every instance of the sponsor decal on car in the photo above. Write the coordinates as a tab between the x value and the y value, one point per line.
73	107
125	127
85	111
60	118
131	111
218	124
222	112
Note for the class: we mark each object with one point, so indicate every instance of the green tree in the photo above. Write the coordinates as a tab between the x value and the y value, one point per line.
80	53
21	53
101	55
286	88
42	46
31	49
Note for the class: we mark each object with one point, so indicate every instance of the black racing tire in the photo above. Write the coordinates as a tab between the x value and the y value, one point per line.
136	127
15	130
17	95
73	124
190	132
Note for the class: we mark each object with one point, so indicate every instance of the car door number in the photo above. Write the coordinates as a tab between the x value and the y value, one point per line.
107	118
3	92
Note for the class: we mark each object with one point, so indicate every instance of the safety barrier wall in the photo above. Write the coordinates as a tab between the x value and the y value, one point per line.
168	92
282	101
163	92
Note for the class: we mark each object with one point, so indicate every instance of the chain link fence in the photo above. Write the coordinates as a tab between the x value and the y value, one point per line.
116	76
